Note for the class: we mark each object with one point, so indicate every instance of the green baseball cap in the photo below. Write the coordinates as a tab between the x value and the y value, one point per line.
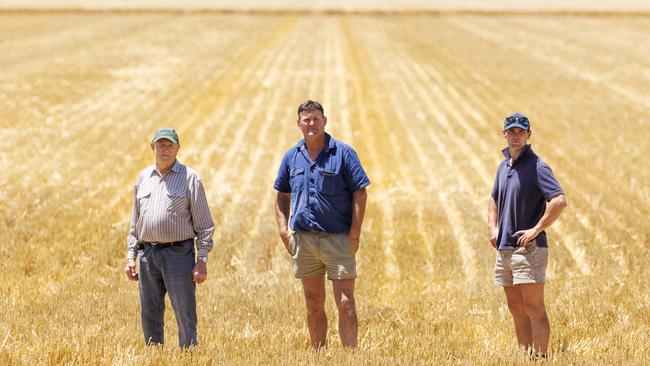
166	133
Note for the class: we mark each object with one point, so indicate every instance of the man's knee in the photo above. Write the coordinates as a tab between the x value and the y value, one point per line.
315	303
516	307
346	305
535	310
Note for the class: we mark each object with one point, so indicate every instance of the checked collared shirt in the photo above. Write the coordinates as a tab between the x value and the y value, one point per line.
170	208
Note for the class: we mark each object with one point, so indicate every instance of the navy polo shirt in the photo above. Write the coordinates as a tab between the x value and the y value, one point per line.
521	192
321	191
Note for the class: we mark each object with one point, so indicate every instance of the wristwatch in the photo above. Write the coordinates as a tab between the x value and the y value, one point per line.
204	259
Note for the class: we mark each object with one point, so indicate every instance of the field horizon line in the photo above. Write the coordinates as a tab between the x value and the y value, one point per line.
375	12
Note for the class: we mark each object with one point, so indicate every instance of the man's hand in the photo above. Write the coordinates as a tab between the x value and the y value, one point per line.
493	234
200	271
131	273
353	240
285	236
527	235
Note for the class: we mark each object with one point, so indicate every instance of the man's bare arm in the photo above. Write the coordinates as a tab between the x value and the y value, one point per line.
359	199
282	208
493	229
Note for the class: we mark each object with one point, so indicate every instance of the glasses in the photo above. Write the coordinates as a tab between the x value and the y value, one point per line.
521	120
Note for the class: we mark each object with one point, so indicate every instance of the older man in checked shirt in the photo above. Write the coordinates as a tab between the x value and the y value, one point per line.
169	210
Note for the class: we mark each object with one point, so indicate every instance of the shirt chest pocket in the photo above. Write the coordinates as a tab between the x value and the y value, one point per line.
332	182
177	201
296	179
144	199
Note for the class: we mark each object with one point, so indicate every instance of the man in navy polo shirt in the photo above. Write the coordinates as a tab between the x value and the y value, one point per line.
322	182
526	199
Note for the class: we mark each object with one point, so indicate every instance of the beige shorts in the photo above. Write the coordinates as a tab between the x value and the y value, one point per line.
527	264
315	253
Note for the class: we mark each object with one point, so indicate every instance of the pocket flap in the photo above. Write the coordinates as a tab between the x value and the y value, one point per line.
142	193
296	171
177	193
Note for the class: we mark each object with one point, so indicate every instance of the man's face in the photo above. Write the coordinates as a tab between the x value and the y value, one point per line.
517	137
165	151
312	123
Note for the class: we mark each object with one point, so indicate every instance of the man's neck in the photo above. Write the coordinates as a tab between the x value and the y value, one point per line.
515	154
315	146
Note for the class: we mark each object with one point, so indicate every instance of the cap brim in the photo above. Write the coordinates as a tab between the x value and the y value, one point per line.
517	125
173	140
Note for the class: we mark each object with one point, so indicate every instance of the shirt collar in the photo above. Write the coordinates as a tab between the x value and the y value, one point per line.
329	142
176	168
527	151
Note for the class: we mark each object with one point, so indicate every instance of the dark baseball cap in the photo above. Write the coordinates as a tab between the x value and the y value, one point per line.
166	133
516	120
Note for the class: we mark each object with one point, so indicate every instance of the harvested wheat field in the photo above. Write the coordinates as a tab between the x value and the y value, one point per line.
420	97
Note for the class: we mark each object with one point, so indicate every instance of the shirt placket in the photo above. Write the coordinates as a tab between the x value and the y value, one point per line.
156	194
310	182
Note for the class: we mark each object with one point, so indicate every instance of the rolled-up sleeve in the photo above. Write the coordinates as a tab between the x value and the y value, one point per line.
201	218
282	180
354	174
132	240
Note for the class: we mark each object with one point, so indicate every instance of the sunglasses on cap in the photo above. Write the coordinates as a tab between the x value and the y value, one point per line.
520	120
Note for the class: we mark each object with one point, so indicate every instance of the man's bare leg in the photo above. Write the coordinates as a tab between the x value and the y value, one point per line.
523	327
314	289
348	322
533	296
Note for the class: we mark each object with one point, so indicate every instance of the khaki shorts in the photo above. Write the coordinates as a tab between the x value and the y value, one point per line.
527	264
315	253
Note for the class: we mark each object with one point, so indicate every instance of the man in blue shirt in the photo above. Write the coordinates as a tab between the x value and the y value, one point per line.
526	199
322	182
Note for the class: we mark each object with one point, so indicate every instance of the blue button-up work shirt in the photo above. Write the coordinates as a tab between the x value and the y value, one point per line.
521	191
321	190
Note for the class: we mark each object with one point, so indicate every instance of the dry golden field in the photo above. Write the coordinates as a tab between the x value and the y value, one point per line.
421	98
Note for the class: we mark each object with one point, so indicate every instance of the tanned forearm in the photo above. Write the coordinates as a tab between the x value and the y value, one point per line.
553	210
282	207
358	211
492	214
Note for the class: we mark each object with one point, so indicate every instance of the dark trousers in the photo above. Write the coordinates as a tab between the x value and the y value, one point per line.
168	269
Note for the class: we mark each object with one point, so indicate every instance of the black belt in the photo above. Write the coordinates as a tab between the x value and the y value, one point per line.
162	245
